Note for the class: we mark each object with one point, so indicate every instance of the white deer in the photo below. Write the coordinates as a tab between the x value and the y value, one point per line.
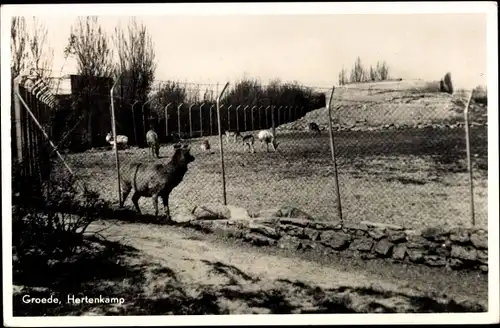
121	141
267	137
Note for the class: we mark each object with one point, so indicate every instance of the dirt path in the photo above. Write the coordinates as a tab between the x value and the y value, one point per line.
186	272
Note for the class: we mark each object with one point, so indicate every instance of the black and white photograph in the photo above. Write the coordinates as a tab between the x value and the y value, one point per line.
296	163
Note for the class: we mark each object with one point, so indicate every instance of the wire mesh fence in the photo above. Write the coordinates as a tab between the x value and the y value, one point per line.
400	152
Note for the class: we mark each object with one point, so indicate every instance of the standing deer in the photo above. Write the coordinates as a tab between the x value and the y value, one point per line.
153	143
267	137
155	180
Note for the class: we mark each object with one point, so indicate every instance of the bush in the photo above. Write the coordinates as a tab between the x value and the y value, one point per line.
447	82
480	95
49	222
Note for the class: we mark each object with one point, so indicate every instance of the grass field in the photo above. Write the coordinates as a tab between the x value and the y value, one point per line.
413	178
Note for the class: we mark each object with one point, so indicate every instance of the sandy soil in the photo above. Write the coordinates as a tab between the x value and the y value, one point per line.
173	270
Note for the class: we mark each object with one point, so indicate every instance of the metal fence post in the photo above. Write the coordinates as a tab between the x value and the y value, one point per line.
245	116
17	113
266	112
221	147
179	118
201	119
238	118
190	122
273	124
166	119
469	160
332	148
253	123
117	159
229	117
133	122
143	120
211	127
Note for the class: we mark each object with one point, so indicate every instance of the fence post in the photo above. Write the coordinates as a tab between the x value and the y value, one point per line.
201	119
133	122
290	113
279	115
166	119
245	116
211	127
273	124
17	114
190	122
229	117
117	159
469	160
238	118
260	117
221	147
179	118
143	120
332	148
253	123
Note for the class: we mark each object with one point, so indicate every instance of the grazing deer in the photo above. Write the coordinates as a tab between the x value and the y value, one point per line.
155	180
234	134
205	145
153	143
249	140
121	141
267	137
313	127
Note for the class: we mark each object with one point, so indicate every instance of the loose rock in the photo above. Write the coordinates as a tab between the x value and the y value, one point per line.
377	234
335	240
362	244
464	253
383	247
480	240
399	252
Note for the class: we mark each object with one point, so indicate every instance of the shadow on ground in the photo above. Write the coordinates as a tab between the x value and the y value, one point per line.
111	269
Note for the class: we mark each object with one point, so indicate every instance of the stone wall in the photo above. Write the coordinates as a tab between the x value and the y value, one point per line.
289	228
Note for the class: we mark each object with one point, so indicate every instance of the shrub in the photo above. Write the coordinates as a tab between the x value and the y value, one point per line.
447	82
480	95
49	222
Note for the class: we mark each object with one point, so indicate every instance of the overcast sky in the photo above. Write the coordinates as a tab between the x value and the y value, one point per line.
308	48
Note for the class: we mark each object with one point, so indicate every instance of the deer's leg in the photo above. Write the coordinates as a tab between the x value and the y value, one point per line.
135	200
126	188
154	198
164	199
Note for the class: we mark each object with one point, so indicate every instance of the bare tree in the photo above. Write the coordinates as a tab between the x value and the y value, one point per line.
30	48
89	44
136	64
358	72
382	70
373	74
343	76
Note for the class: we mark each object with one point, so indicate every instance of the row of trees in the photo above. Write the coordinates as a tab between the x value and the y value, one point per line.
359	73
247	91
128	55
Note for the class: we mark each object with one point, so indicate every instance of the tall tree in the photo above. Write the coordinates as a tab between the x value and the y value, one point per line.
89	44
30	48
382	70
358	72
136	66
136	60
